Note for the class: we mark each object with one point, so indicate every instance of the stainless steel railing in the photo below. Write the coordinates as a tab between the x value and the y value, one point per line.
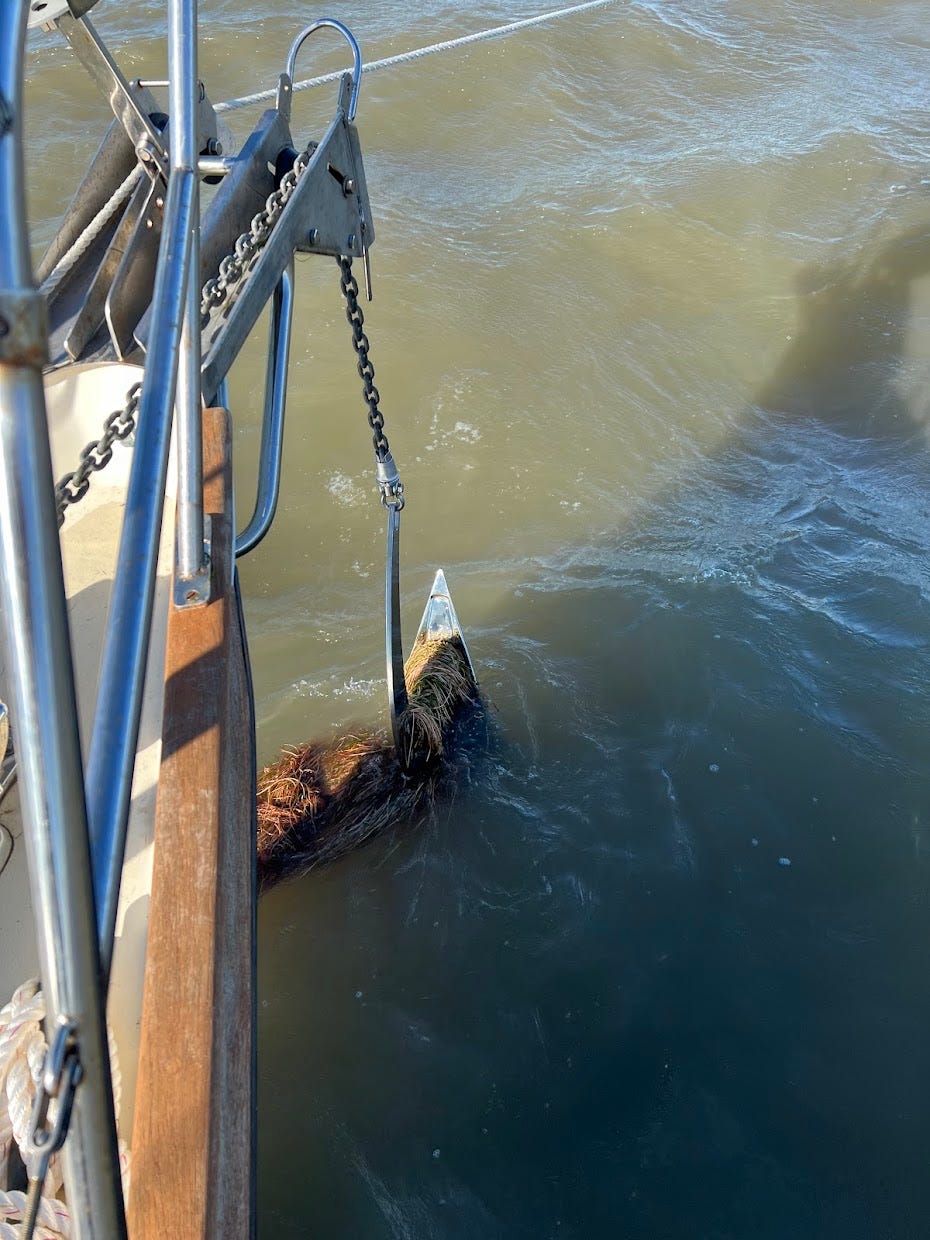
76	845
269	461
42	684
119	700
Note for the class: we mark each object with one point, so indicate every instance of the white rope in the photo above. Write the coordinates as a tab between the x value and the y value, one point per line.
77	250
495	32
22	1056
54	1222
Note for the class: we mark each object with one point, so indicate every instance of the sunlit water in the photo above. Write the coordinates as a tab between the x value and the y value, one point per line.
652	331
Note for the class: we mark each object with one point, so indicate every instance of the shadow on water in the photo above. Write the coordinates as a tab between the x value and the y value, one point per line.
851	338
660	972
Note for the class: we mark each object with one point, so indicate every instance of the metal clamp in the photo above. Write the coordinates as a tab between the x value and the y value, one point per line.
61	1076
195	591
352	42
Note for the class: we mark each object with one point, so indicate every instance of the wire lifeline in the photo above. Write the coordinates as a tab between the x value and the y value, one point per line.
495	32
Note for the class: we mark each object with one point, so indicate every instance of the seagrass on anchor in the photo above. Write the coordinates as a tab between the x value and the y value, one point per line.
321	801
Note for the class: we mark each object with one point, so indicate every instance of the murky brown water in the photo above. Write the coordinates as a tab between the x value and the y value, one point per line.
652	331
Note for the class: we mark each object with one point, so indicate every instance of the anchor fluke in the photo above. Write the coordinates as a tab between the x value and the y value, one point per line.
440	621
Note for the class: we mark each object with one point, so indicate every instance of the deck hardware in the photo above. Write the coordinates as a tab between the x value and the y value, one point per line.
132	273
215	166
61	1075
366	254
120	287
272	445
44	13
350	184
308	196
331	24
93	55
195	591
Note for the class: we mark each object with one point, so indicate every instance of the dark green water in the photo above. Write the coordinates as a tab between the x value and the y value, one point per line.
652	330
670	272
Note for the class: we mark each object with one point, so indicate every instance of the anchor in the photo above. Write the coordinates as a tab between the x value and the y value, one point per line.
320	801
411	742
323	799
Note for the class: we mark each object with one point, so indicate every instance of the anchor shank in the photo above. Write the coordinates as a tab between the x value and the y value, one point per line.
397	686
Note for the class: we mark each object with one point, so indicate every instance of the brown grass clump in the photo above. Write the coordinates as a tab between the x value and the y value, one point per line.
319	802
440	682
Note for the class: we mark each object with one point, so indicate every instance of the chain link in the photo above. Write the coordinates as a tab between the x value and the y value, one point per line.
236	264
231	271
118	425
392	489
392	497
366	370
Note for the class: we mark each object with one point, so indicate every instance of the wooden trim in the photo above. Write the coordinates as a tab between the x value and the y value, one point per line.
192	1144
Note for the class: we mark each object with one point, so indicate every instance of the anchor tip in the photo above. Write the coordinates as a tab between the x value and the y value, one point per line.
440	621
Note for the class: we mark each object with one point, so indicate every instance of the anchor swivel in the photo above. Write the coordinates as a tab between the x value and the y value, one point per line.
389	483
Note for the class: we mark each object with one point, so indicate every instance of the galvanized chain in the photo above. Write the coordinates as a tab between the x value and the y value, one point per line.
232	270
392	497
392	489
235	265
118	425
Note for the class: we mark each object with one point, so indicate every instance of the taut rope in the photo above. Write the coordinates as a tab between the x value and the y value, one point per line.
447	45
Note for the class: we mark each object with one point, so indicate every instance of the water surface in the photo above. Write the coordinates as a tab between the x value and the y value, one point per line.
652	331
